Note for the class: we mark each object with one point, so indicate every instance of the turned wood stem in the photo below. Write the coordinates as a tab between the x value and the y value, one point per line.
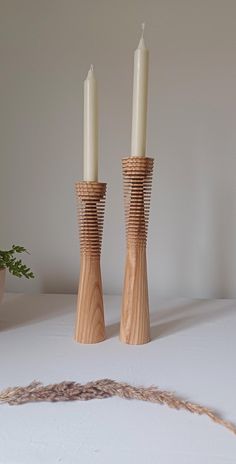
135	323
90	325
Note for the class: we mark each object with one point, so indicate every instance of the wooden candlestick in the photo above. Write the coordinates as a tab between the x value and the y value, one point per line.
135	324
90	326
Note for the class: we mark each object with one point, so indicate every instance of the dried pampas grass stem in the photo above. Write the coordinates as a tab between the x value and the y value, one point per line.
105	388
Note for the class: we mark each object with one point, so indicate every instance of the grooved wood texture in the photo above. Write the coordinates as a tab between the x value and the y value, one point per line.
90	326
137	179
135	324
91	207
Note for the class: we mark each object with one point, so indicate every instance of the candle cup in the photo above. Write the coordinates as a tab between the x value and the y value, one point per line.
90	326
135	323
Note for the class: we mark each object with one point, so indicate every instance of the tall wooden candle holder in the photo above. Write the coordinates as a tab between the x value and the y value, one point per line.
135	324
90	326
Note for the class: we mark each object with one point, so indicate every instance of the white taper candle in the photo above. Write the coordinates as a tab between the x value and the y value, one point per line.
90	127
140	93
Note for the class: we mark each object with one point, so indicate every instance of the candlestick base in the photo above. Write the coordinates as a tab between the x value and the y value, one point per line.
135	324
90	325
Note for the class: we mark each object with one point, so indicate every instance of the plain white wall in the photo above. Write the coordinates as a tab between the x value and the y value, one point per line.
46	49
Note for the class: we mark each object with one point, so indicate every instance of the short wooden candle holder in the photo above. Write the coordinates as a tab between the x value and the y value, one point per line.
90	326
135	324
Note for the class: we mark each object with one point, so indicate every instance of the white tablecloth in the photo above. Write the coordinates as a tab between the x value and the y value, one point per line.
192	352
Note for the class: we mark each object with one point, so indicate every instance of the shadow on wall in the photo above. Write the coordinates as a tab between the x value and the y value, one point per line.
60	282
175	317
180	317
166	320
28	310
191	243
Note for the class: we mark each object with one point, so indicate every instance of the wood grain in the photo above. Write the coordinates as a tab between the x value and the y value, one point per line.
90	326
135	323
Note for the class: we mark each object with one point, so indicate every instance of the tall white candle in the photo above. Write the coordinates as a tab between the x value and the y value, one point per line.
90	127
140	93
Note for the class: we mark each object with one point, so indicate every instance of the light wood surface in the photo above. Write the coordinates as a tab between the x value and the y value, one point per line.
135	324
90	326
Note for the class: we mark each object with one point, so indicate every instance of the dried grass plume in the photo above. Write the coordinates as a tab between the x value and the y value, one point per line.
105	388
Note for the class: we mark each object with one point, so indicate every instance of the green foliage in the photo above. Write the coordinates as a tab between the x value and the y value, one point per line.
14	265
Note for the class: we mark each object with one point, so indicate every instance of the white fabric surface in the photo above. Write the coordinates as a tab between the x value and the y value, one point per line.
192	353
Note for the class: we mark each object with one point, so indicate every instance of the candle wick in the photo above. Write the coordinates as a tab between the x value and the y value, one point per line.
91	67
143	28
